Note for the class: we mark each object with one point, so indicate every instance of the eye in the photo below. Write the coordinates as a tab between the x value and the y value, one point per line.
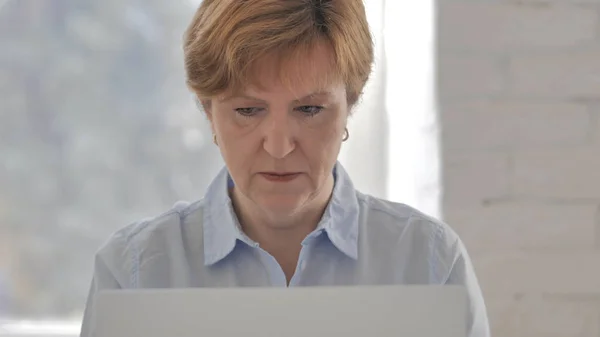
247	112
310	110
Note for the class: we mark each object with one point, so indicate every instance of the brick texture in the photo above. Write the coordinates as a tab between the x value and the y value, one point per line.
519	99
463	76
554	272
508	125
501	25
506	227
558	174
468	178
563	74
544	315
595	124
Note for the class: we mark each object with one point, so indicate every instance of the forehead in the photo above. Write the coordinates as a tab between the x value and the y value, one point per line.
301	71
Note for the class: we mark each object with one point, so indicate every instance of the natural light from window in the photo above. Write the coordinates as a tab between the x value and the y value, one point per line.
98	130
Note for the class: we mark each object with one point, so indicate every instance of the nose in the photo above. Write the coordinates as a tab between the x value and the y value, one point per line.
279	140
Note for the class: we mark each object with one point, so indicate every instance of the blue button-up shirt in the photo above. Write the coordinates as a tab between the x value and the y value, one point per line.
360	240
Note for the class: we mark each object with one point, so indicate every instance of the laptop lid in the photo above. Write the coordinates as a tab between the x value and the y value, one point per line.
383	311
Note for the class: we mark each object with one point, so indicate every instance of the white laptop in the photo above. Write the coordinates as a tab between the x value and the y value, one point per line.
380	311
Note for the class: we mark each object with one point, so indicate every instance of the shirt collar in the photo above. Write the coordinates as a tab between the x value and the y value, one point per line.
222	230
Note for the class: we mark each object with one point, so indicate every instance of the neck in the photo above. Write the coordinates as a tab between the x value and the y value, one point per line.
279	232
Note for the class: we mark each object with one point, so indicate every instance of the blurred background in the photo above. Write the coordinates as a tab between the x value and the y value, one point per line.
485	114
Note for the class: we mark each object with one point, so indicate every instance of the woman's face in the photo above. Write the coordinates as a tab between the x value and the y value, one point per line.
280	144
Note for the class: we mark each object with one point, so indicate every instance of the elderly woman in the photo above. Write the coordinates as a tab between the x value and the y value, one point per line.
278	81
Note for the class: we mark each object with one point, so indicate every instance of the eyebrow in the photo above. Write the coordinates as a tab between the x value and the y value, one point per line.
309	96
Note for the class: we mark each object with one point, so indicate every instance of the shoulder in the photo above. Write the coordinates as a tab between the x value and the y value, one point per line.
399	217
121	252
415	234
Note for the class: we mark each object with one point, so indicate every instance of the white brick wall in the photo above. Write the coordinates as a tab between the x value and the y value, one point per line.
565	74
566	174
543	315
513	26
519	89
526	226
467	177
513	125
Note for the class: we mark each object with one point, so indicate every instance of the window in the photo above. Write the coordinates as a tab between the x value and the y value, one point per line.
393	150
97	130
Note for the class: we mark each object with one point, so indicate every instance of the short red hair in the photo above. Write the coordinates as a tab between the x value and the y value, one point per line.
227	37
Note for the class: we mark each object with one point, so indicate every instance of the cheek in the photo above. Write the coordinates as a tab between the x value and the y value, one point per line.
322	144
325	131
236	146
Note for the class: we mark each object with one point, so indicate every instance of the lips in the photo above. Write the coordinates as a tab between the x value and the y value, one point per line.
280	176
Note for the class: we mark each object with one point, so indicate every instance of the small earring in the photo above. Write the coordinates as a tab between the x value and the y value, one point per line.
215	139
346	135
